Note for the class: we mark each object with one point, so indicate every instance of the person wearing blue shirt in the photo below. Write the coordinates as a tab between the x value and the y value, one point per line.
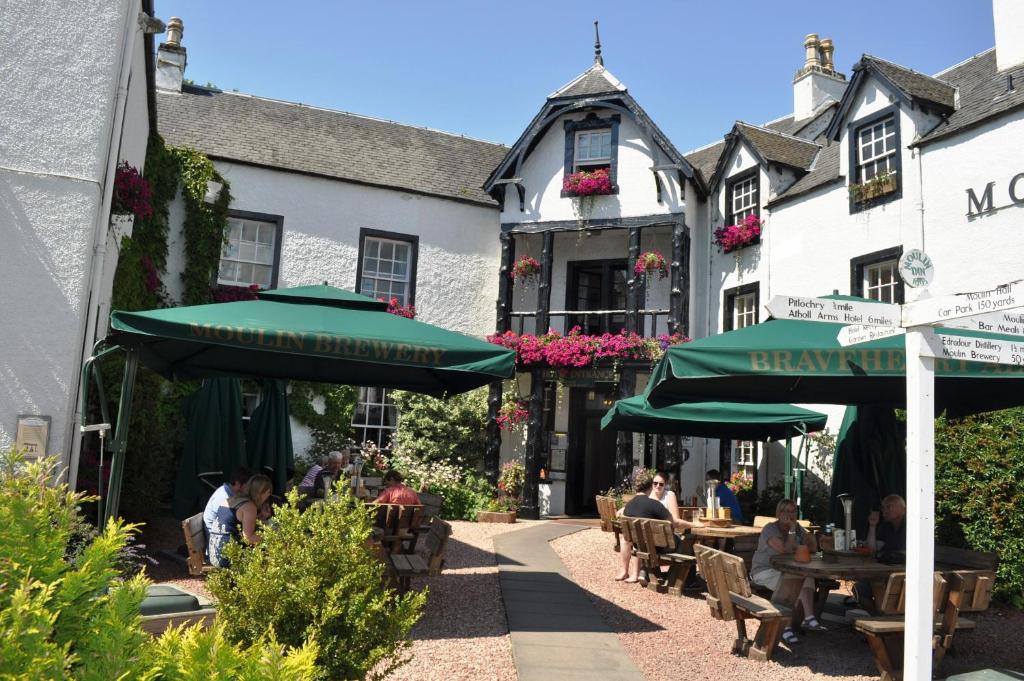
233	486
725	496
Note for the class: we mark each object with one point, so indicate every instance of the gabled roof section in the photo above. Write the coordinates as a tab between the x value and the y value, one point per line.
595	88
909	85
824	171
333	144
705	160
596	80
768	146
984	95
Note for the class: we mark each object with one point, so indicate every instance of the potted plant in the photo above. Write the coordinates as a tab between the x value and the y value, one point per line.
513	412
132	198
744	233
587	183
407	311
525	269
502	509
650	263
879	185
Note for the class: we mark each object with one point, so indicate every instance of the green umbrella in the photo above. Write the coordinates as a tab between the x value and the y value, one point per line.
214	444
785	360
311	333
730	420
268	441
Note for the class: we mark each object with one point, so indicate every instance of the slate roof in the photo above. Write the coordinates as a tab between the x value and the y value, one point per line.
824	171
705	160
776	147
596	80
335	144
914	84
983	94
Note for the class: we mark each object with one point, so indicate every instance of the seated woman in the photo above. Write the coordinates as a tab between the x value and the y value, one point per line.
237	517
781	537
662	494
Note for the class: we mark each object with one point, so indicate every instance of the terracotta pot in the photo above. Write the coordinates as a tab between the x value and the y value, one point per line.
496	516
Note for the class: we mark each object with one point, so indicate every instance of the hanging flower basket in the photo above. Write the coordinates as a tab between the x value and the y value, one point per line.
587	183
734	237
651	263
407	311
525	269
132	195
513	412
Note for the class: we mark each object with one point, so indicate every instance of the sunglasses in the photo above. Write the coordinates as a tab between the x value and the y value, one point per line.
659	484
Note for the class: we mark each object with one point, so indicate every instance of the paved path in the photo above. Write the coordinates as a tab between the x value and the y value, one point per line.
556	631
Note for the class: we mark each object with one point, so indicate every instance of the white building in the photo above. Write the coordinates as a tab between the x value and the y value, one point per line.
73	108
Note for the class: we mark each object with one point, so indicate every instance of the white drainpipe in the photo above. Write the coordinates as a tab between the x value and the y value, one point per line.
102	224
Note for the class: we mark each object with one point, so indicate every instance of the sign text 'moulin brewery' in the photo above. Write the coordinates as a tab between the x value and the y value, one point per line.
321	344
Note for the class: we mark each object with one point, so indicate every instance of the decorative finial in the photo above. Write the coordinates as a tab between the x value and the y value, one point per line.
597	46
174	30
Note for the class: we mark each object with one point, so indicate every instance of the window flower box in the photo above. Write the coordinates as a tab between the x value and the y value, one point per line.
880	185
496	516
588	183
735	237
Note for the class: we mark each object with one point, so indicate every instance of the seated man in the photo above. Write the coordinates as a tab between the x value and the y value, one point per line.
781	537
887	540
726	496
333	468
233	487
395	492
643	506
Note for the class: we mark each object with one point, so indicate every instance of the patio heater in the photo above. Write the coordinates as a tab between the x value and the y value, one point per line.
712	499
847	501
357	474
101	430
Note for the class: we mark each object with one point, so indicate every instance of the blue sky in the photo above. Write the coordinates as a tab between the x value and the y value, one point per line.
483	69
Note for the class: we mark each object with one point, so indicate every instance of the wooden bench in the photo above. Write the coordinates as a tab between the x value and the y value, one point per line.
195	541
399	524
953	592
730	599
406	566
762	520
648	536
608	511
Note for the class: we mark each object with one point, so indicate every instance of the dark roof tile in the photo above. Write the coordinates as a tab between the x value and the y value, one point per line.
594	81
778	148
705	160
335	144
824	171
916	85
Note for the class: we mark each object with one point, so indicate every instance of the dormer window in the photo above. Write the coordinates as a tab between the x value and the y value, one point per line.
591	144
742	197
875	159
593	149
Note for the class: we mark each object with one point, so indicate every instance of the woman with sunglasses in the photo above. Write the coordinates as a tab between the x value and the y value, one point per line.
661	493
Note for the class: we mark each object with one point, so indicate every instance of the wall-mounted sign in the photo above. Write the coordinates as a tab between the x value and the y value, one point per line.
916	268
980	206
33	434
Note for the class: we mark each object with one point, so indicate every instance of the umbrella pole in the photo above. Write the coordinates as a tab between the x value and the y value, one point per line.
788	477
117	448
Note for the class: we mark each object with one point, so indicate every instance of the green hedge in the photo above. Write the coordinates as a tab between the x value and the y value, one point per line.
979	491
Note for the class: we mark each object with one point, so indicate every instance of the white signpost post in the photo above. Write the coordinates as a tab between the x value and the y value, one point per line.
995	310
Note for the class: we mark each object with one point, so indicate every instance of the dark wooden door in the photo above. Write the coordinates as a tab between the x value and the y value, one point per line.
590	464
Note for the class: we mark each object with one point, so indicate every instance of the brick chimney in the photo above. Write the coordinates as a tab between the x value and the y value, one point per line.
818	81
1009	20
171	58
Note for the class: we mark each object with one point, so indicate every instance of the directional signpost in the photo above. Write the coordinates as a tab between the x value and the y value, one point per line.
835	311
929	311
1009	322
973	349
852	335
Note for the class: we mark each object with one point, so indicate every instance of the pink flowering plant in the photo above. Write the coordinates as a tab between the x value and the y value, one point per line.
651	263
739	235
513	412
526	268
587	183
395	308
577	350
225	293
511	481
740	483
132	195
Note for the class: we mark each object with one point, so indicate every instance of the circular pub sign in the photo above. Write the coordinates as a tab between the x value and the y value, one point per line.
916	268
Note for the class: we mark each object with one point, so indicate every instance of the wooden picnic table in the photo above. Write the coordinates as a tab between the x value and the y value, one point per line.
730	532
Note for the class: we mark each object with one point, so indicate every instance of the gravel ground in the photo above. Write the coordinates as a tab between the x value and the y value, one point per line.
463	633
672	637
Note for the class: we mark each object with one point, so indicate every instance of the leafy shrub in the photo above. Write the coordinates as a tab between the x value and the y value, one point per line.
463	499
979	491
331	426
66	612
452	430
315	577
815	500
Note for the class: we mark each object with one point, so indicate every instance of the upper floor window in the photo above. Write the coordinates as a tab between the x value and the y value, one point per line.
876	149
740	305
876	276
743	455
601	286
375	417
593	149
387	265
251	250
742	197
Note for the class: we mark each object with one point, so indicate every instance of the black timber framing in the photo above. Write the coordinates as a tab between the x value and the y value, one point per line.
492	453
634	284
530	508
593	225
679	273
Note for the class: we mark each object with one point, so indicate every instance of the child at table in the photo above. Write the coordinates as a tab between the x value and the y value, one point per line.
779	538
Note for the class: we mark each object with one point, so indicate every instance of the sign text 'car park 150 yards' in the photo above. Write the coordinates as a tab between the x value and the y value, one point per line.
941	310
835	311
974	349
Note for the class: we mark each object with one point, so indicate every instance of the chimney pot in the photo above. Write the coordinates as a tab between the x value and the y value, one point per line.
826	54
174	30
171	58
811	48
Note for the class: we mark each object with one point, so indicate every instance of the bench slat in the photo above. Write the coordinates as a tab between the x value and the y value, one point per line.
757	607
896	624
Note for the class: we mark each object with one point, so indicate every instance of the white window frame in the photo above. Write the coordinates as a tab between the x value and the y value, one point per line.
744	199
247	252
872	161
747	316
590	160
744	454
876	291
366	399
384	277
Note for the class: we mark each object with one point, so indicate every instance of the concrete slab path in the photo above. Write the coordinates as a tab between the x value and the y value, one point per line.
556	631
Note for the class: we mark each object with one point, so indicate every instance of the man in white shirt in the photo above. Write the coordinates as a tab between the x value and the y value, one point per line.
233	486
